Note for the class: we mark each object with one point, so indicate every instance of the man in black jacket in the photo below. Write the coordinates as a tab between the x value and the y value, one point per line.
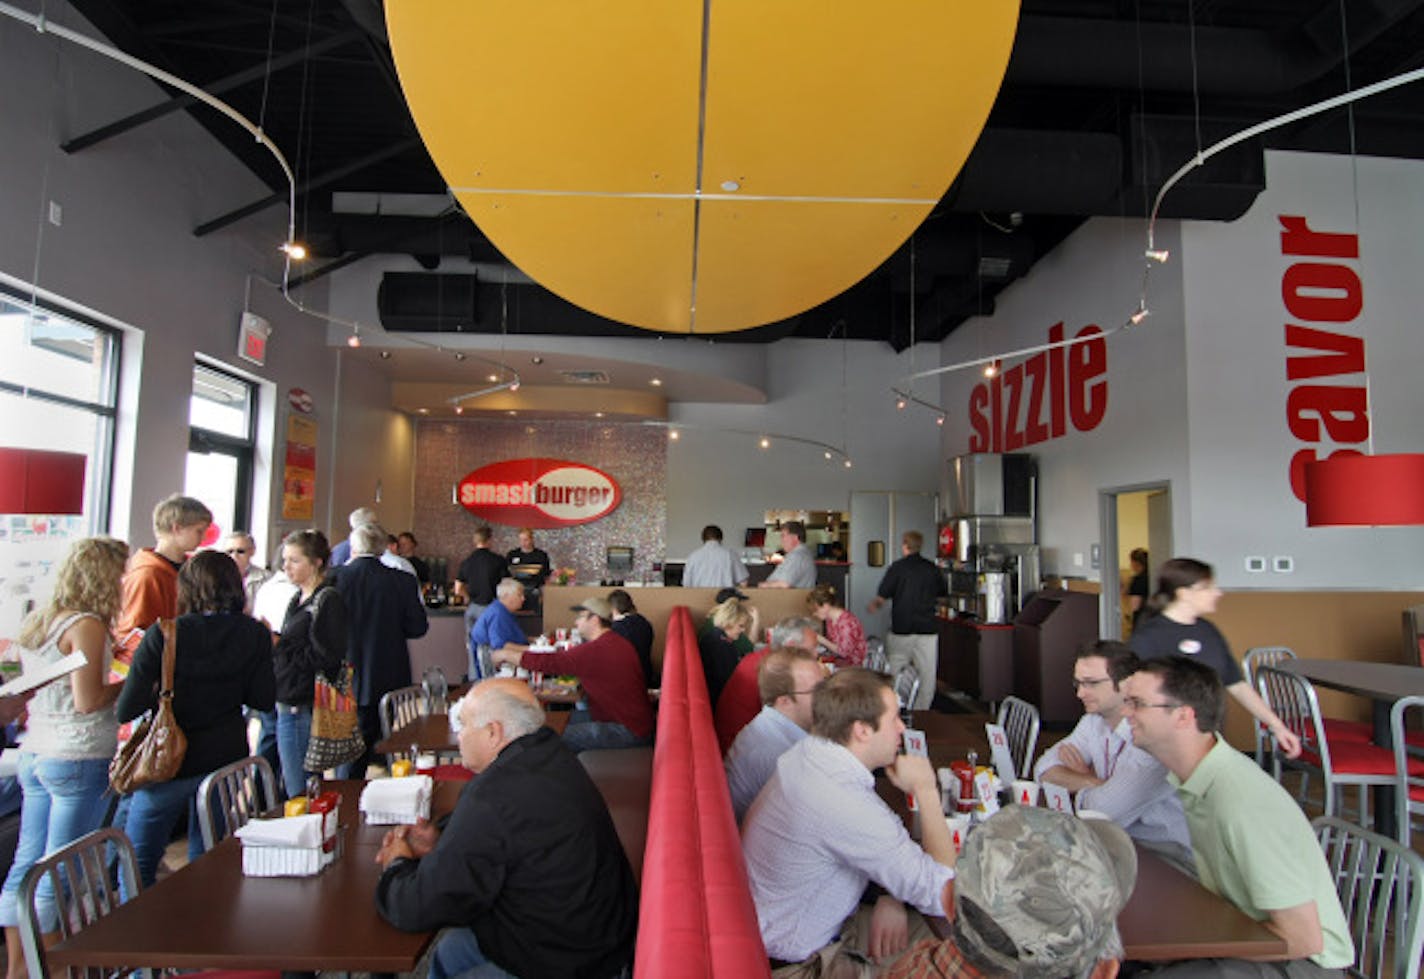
528	870
383	609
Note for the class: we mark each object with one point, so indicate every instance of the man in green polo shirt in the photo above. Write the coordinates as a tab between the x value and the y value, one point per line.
1252	843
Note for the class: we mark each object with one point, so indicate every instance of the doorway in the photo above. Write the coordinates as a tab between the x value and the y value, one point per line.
1132	518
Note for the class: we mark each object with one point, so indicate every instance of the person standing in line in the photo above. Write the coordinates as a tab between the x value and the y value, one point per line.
64	762
313	639
240	546
912	586
383	611
223	661
477	578
713	565
151	581
798	568
1174	626
341	553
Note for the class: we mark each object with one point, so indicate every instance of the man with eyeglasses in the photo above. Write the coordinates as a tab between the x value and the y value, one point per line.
1099	762
1252	843
240	546
787	679
619	714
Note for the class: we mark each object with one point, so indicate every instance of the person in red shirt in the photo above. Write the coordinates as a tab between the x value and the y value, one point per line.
150	587
741	699
619	714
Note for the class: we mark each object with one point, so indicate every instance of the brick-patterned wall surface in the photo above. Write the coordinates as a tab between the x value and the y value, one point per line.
634	455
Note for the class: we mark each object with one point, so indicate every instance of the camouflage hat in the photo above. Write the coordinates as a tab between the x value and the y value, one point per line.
598	606
1037	892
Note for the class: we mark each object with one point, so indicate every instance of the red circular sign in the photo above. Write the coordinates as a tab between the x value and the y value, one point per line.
539	493
300	401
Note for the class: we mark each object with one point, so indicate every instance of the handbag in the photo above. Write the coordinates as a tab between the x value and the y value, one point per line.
335	731
154	752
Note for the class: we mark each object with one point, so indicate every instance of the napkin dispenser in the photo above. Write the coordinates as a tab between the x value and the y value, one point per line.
295	846
397	801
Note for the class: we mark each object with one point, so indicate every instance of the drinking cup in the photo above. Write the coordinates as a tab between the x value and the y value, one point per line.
1025	792
959	824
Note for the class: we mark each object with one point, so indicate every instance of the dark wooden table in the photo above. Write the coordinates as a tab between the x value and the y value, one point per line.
209	916
1170	915
431	732
1383	684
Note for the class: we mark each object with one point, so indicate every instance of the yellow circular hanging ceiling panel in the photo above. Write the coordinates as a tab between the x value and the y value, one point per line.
699	167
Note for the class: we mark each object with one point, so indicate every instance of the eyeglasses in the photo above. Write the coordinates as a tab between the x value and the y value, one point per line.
1137	703
1090	683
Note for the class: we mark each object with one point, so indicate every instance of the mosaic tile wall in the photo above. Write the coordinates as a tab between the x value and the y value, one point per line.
634	455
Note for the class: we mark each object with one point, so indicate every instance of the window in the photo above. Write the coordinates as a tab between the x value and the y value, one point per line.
221	420
58	389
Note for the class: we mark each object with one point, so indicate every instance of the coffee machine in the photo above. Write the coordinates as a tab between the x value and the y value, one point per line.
991	533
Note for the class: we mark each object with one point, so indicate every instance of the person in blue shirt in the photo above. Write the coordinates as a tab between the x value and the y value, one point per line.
497	628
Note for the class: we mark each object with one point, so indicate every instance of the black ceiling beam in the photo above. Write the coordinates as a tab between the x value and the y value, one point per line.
337	263
306	187
95	136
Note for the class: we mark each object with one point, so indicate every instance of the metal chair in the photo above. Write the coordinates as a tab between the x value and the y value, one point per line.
875	657
437	689
907	686
85	891
1020	722
78	877
398	708
1257	657
1408	766
1341	763
484	662
237	793
1381	888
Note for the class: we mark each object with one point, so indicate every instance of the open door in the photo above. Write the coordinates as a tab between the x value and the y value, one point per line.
1132	518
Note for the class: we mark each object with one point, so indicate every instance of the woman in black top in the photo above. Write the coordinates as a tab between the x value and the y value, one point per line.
718	645
223	661
313	638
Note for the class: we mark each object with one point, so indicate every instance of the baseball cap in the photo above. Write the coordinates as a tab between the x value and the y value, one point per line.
1037	892
727	593
598	606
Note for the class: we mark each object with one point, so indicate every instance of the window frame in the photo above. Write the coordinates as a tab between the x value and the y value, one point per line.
243	449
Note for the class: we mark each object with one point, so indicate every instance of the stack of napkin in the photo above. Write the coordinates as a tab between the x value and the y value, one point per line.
397	801
290	847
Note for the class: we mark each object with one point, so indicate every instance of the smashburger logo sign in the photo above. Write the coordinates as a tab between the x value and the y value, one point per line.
539	493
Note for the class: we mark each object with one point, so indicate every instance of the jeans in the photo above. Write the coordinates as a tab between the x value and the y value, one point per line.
64	800
267	742
584	734
293	733
153	810
458	956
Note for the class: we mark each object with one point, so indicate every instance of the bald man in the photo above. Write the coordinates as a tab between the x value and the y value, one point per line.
527	872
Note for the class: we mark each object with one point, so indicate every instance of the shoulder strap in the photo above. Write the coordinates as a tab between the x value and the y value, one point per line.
57	629
169	627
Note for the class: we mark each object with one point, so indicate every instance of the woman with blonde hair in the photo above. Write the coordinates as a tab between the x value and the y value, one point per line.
845	636
64	765
717	645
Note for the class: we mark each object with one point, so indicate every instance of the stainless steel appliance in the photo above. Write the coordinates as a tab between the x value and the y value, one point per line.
992	502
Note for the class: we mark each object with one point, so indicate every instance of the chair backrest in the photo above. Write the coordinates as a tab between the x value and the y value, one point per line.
1414	635
437	689
398	708
77	879
1293	699
1409	790
907	686
875	658
232	795
1020	722
1381	888
484	661
1259	656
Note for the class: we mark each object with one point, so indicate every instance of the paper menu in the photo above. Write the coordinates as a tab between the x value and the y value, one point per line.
34	679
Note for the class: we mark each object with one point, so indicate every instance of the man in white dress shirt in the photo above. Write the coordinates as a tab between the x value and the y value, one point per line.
818	834
713	565
1099	762
786	680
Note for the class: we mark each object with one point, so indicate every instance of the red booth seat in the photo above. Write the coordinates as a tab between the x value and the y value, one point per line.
696	917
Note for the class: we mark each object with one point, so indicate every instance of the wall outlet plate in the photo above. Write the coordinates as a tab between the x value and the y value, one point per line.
1282	564
1255	564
